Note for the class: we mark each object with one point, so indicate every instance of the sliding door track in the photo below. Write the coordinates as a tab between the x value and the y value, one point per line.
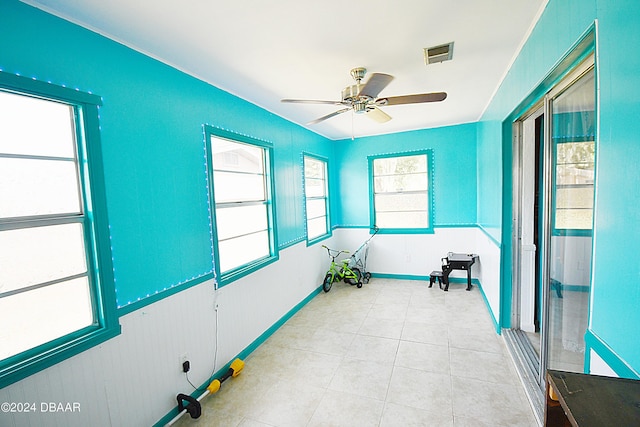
527	365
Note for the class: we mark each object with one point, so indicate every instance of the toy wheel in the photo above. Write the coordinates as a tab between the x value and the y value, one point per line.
358	278
366	277
359	285
326	285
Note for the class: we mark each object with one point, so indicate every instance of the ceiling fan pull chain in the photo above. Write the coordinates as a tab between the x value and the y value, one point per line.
353	131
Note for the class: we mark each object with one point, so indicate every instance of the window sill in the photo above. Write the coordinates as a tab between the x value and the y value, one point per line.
245	270
406	230
311	242
23	365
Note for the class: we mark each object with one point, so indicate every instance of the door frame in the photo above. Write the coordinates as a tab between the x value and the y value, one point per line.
520	169
524	245
582	52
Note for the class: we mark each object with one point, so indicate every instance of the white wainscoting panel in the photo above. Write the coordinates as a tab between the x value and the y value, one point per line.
133	379
599	366
251	305
489	271
419	254
410	254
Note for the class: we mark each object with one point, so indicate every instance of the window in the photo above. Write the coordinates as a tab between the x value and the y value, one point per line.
316	200
53	302
401	201
243	210
575	170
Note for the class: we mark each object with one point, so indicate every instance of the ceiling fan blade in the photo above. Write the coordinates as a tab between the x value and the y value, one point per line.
412	99
378	115
375	84
311	101
328	116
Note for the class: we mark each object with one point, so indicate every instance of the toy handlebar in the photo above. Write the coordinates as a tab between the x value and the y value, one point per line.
337	252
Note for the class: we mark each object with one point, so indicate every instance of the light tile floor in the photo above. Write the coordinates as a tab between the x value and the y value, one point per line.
393	353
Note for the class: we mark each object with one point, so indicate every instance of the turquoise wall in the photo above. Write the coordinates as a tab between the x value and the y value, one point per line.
454	163
489	165
151	130
614	317
153	149
559	27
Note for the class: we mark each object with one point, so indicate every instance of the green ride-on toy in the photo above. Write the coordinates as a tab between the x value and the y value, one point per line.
337	272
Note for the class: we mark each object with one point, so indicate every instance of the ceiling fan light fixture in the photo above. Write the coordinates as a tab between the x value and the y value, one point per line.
360	107
440	53
350	93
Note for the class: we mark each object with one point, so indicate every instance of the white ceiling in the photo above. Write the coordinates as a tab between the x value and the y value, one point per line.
263	51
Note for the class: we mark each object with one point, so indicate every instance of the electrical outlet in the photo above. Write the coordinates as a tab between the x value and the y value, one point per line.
184	357
216	304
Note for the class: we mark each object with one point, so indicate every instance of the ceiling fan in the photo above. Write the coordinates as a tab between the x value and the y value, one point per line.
363	98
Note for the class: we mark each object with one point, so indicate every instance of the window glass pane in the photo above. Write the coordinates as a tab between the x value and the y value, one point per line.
402	219
34	126
38	187
239	220
243	250
399	183
316	227
574	116
575	171
400	165
574	197
574	208
574	219
32	318
580	173
241	200
234	156
31	256
402	202
314	168
576	152
316	208
575	163
401	192
315	187
237	187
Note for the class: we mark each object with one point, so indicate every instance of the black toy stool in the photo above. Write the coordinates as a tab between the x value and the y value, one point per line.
435	275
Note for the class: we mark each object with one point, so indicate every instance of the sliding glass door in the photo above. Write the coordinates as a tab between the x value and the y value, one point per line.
572	150
554	171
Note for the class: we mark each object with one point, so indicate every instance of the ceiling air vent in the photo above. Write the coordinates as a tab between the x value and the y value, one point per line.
441	53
